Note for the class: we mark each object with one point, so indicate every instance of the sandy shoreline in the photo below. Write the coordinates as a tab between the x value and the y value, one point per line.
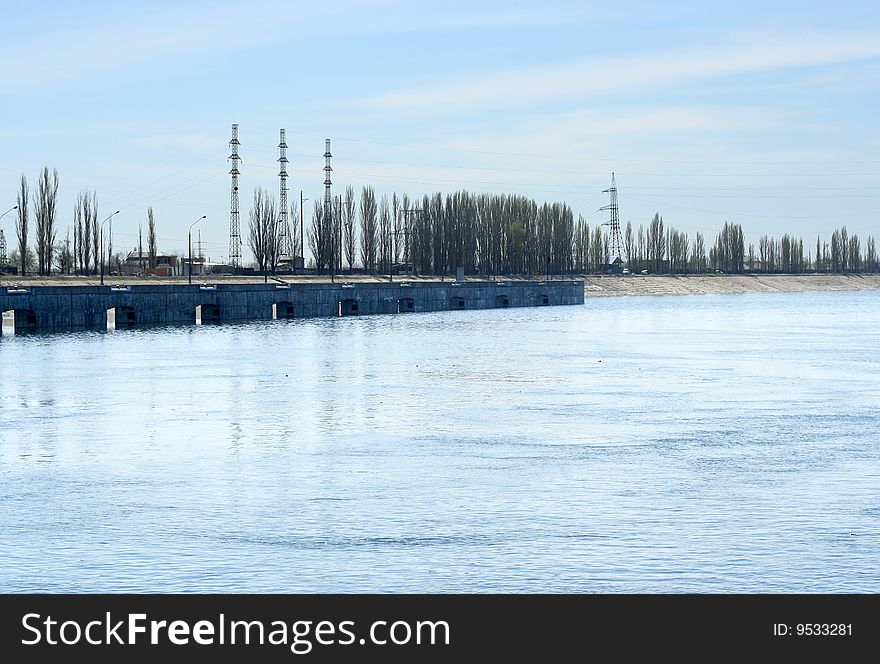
611	286
594	285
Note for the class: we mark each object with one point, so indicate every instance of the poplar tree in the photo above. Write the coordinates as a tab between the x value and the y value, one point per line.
151	237
368	227
21	222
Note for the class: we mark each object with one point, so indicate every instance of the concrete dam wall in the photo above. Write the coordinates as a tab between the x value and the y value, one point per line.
65	307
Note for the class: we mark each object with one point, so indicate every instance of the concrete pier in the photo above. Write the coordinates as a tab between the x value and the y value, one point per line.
71	307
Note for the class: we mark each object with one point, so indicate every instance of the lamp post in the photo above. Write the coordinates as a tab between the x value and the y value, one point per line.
394	243
190	240
407	226
2	239
14	207
102	244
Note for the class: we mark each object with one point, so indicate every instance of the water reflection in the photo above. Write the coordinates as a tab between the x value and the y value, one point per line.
633	444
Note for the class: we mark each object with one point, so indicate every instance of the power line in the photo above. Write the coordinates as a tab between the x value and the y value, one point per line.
758	216
456	149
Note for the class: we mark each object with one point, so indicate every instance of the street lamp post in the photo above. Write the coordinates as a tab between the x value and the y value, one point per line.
407	225
102	244
190	241
3	253
14	207
302	237
394	244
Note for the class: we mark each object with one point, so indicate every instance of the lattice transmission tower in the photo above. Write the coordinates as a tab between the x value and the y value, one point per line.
328	204
234	221
285	241
615	239
327	199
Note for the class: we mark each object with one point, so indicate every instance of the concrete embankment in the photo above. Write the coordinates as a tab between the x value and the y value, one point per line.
60	307
632	284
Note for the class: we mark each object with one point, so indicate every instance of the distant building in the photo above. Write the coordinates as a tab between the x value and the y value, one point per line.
614	267
288	263
201	266
167	265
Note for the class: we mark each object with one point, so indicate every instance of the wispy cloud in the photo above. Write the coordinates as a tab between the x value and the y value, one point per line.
660	120
89	46
84	43
405	16
566	81
202	142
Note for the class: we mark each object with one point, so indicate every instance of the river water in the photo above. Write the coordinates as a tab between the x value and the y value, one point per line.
680	444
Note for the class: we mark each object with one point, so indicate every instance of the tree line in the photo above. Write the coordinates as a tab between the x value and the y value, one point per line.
79	255
492	234
486	234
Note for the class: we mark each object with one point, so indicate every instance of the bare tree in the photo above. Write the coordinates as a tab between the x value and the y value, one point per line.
64	255
21	223
83	220
854	254
629	243
44	200
698	254
368	227
77	234
318	237
728	254
294	230
870	255
349	232
109	256
656	245
581	244
597	250
336	234
264	237
384	231
151	236
30	259
641	248
96	231
140	248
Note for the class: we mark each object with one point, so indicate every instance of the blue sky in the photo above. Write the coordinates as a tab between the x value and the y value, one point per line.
765	114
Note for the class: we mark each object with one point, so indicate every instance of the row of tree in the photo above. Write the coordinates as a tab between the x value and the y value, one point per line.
43	205
483	233
83	254
511	234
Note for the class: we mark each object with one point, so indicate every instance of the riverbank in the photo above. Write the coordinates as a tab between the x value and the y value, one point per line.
718	284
